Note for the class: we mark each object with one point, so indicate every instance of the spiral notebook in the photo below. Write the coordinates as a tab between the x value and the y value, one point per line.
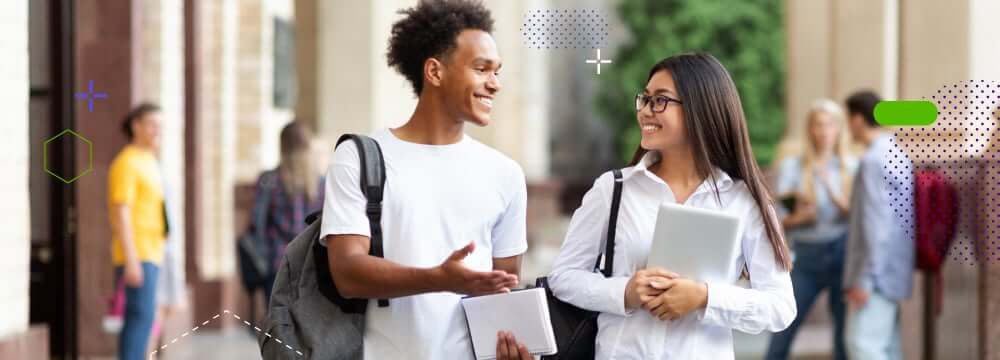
525	313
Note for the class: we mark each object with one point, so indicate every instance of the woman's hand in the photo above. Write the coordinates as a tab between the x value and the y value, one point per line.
805	212
841	201
639	285
856	298
679	297
132	275
509	349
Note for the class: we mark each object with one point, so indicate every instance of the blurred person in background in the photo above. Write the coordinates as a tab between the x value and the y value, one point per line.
171	292
286	194
139	226
878	269
814	188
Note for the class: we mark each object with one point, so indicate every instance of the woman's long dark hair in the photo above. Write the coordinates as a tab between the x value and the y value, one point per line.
717	134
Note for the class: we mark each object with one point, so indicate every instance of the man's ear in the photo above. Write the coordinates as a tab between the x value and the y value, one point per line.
433	72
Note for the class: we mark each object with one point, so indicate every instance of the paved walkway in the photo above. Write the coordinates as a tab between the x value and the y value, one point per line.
812	343
214	344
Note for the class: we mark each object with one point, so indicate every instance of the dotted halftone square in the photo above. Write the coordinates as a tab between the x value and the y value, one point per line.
564	29
962	146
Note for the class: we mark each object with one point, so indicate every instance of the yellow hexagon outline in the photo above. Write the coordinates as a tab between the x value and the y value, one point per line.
90	156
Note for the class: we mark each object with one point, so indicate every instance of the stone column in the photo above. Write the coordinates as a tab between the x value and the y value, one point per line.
15	225
250	92
212	270
520	127
258	121
833	49
355	89
217	130
106	37
983	58
162	82
865	47
344	66
989	285
306	60
989	265
809	36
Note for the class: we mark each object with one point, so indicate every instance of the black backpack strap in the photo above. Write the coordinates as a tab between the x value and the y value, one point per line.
609	243
372	179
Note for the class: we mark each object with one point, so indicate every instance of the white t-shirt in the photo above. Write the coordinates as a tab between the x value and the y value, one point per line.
437	199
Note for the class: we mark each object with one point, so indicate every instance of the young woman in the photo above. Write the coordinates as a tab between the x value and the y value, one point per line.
138	225
288	193
817	186
695	151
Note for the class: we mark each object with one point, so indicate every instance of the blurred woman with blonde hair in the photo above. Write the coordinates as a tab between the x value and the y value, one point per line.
814	188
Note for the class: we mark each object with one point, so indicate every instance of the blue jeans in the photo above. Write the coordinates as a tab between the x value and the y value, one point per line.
817	267
140	311
873	330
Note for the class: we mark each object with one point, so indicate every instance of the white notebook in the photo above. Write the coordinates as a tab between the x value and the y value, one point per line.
524	313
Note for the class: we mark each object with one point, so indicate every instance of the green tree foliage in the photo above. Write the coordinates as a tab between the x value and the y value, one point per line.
746	36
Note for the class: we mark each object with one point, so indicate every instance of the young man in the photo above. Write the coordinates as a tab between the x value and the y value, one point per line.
453	217
879	262
138	224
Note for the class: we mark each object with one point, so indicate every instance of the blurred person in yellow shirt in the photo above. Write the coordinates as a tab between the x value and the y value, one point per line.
139	226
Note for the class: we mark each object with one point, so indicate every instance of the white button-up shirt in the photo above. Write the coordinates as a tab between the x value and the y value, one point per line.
768	304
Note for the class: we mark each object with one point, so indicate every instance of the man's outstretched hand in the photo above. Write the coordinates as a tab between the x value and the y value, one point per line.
452	275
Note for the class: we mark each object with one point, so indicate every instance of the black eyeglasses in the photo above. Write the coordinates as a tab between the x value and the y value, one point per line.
659	102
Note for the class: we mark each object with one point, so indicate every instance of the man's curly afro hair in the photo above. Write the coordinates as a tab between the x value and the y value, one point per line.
429	30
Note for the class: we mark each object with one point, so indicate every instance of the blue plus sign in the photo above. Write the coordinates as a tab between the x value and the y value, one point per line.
90	95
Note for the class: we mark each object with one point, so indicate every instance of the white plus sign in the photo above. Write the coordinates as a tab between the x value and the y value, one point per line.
598	61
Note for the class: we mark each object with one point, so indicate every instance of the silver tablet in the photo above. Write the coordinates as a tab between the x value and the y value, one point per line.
696	243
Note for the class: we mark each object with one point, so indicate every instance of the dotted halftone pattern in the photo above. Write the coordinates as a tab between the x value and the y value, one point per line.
900	191
564	29
958	146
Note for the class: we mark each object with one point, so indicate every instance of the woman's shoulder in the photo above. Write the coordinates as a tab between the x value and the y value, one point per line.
607	178
789	172
790	163
268	178
130	159
122	159
740	190
603	185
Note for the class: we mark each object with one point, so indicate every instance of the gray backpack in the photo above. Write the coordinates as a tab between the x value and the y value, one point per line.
307	317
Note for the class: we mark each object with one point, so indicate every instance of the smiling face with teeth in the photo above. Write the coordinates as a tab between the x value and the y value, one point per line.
470	77
665	130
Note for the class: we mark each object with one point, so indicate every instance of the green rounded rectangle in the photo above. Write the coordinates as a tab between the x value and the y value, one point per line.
905	112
